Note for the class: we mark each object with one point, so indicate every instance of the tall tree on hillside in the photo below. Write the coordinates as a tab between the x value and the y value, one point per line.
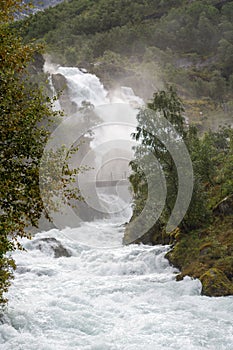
166	105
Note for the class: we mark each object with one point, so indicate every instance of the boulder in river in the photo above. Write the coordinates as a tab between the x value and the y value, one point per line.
51	244
215	283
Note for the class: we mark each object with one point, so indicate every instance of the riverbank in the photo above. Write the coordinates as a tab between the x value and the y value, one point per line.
206	254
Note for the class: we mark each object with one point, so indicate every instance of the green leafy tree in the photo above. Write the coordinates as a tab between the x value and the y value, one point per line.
211	156
24	116
221	144
168	105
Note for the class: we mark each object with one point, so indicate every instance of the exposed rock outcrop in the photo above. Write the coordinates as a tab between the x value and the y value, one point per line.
62	89
51	244
225	207
37	64
215	283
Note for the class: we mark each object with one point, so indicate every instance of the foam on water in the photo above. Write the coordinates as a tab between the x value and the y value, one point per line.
84	86
106	296
101	298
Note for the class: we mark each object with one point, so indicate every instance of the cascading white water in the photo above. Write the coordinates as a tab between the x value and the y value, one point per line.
84	86
107	299
56	103
96	294
111	146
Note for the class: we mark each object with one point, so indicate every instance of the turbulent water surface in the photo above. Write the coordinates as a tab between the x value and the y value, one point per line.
102	295
108	298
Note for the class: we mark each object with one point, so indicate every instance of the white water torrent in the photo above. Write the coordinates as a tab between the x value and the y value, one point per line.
84	86
110	149
99	295
108	299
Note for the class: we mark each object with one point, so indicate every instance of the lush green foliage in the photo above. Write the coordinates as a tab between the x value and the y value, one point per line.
204	239
211	157
25	114
169	106
203	249
144	43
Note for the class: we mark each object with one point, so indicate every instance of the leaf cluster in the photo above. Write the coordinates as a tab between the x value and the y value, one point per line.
211	156
25	113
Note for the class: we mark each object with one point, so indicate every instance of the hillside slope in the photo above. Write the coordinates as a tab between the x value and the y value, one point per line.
146	45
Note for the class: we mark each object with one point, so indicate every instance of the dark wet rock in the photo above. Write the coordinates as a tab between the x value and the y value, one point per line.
61	87
215	283
50	243
152	237
40	271
22	269
225	207
59	82
37	64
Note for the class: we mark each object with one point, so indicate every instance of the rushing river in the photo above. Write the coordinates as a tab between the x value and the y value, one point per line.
99	295
103	298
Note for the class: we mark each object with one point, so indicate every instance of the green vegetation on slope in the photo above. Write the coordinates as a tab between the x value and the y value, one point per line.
203	241
196	254
186	43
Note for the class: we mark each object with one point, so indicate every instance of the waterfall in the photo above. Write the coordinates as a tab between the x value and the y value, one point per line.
56	103
109	150
78	288
84	86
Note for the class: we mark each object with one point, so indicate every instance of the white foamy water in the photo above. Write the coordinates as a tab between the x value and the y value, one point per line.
105	296
108	299
84	86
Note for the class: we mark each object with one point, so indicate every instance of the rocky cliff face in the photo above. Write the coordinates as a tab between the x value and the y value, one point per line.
61	87
38	5
42	4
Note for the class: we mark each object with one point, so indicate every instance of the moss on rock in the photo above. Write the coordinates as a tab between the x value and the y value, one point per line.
206	254
215	283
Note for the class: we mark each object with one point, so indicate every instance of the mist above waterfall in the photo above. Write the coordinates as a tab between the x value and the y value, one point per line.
83	86
104	121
